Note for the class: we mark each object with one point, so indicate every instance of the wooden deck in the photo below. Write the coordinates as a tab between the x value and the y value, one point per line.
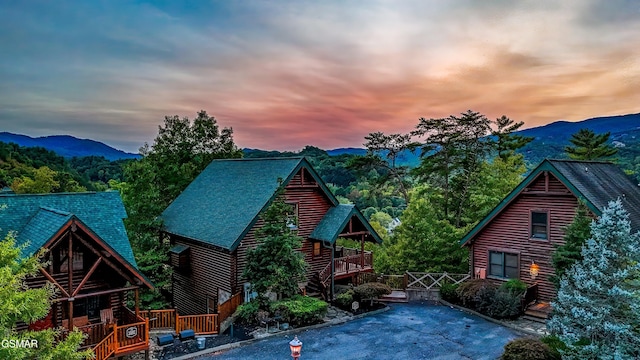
133	336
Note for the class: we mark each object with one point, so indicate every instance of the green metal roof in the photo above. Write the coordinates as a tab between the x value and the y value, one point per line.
37	217
221	205
596	183
335	220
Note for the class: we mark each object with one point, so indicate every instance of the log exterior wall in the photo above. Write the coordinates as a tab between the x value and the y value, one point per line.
312	206
209	272
509	232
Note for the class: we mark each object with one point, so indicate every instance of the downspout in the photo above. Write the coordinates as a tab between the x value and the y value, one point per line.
333	264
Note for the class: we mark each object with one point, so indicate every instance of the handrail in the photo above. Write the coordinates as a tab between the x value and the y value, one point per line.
106	347
228	307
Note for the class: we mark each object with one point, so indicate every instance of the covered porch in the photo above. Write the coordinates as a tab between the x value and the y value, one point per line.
344	221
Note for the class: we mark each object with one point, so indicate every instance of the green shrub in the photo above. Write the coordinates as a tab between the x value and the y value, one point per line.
371	290
515	286
247	312
555	345
527	349
503	305
449	292
300	310
345	300
470	292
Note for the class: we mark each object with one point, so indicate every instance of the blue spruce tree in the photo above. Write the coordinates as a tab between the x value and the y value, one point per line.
597	311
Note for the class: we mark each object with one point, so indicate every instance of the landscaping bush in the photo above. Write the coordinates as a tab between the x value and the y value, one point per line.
555	345
527	349
449	293
345	300
371	290
247	312
504	304
515	286
300	310
471	291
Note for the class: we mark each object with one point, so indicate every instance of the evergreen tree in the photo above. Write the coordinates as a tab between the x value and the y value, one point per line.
19	303
182	149
506	142
597	311
590	146
576	234
275	265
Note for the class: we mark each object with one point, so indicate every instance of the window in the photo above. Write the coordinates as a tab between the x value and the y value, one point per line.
317	249
292	217
503	265
539	228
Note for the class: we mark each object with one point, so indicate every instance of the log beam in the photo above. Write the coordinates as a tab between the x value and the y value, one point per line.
54	282
98	253
86	277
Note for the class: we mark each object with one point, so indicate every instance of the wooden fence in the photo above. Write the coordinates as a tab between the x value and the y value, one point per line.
228	307
413	280
430	281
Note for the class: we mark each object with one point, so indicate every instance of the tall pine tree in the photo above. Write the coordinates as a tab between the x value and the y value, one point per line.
597	311
590	146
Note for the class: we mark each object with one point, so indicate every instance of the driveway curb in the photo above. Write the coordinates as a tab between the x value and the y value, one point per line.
234	345
499	322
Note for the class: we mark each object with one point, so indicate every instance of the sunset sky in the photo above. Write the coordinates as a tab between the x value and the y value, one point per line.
285	74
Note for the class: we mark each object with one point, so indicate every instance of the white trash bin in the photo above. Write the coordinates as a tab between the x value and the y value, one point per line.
201	342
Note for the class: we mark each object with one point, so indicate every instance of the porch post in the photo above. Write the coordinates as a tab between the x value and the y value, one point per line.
362	251
136	291
70	312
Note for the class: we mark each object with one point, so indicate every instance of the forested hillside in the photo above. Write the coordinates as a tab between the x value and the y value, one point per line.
38	170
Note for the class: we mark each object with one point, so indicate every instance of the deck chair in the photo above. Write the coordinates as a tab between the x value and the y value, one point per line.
106	316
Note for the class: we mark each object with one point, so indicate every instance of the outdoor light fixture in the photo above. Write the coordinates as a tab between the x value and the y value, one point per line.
534	269
296	347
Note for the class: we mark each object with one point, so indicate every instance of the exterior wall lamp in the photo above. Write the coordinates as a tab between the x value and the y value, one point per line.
534	269
296	347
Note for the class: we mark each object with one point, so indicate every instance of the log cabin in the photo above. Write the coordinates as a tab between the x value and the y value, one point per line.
211	225
517	238
89	261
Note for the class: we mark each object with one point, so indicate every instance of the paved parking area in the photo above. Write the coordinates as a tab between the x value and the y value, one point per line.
407	331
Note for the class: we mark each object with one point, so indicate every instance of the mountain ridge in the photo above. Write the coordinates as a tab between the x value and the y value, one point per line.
553	137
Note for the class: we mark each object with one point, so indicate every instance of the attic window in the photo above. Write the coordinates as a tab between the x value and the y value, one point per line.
539	225
180	257
292	216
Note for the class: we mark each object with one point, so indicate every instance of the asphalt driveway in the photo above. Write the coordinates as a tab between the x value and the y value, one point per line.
407	331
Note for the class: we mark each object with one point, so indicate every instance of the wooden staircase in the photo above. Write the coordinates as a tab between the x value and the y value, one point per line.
316	288
538	311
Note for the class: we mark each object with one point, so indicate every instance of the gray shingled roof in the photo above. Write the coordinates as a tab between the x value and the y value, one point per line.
224	201
37	217
335	220
595	182
601	182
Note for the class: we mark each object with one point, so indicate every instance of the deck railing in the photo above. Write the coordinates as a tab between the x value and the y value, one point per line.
106	347
95	333
352	263
228	307
131	337
201	324
159	319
